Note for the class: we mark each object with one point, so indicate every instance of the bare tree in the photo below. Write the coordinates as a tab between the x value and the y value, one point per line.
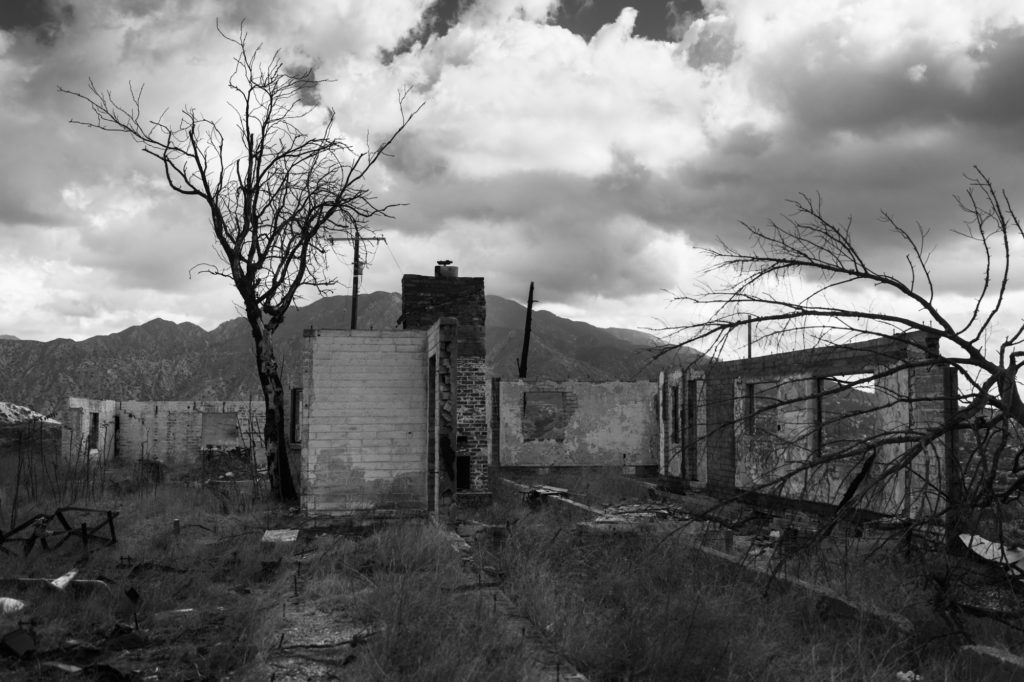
802	280
274	204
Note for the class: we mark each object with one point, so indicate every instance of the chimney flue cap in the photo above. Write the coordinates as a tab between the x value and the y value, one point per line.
445	270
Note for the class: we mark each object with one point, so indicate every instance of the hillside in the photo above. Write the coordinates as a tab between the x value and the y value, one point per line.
162	360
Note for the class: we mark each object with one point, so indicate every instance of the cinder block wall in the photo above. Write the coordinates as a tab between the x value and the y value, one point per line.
364	421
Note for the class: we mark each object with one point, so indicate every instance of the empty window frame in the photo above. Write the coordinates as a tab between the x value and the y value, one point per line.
760	401
849	412
94	430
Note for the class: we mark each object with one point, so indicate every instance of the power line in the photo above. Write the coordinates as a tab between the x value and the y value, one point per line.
400	268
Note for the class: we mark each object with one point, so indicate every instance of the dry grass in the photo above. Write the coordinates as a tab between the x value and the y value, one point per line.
618	608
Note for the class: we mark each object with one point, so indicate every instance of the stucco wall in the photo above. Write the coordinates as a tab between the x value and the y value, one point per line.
606	424
364	430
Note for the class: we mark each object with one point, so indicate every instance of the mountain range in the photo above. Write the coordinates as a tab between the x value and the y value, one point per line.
162	360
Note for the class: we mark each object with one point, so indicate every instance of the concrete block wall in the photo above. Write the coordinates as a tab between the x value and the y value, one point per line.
612	423
364	421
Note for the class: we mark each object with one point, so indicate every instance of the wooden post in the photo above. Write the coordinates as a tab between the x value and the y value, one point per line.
357	268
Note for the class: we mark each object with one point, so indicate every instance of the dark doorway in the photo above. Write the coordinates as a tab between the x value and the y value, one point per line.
94	431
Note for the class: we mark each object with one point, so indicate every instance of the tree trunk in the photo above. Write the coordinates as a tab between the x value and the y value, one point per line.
274	428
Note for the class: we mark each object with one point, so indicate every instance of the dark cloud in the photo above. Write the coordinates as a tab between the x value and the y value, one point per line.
998	92
656	19
46	20
309	87
912	89
438	18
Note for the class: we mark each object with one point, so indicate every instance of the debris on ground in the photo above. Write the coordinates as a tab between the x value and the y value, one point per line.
10	606
281	535
1010	558
19	642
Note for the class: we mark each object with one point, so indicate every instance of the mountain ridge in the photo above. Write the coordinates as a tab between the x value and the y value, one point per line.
164	360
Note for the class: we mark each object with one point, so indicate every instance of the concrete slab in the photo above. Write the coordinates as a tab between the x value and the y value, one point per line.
281	535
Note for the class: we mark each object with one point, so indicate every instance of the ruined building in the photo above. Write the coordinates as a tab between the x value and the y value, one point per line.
789	425
396	421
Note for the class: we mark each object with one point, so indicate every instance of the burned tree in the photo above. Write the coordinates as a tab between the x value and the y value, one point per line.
800	282
276	195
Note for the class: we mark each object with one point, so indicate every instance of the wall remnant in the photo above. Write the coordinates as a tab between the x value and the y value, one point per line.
168	431
795	424
576	423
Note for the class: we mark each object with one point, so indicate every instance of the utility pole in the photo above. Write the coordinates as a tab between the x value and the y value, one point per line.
526	334
357	267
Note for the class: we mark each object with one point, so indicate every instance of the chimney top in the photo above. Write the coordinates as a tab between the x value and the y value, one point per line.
445	270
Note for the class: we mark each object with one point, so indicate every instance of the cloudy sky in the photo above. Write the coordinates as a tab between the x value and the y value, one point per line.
592	146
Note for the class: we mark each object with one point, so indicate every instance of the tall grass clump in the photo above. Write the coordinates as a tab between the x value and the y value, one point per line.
639	608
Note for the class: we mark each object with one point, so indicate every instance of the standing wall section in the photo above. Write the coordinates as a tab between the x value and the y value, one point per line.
172	431
364	429
915	389
578	424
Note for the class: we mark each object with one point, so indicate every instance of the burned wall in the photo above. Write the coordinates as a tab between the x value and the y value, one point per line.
577	423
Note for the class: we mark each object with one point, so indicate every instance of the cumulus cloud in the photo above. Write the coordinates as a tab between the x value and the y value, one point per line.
591	147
